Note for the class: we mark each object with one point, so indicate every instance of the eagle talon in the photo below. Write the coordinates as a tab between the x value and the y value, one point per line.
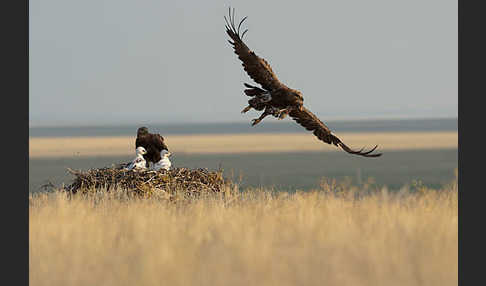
255	121
246	109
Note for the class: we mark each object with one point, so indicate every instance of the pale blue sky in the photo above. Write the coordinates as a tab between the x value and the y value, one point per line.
141	62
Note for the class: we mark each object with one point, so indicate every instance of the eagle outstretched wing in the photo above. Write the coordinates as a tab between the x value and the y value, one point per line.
257	68
310	122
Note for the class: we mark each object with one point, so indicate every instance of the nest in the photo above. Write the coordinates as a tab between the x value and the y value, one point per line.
189	182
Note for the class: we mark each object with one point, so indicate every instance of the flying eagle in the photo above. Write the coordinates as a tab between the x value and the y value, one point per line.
153	143
274	97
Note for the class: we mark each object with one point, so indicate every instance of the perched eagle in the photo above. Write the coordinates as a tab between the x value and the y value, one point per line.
274	97
153	143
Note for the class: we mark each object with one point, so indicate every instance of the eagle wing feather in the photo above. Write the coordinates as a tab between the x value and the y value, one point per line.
311	122
257	68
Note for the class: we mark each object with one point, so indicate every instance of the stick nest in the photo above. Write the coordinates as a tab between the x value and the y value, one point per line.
190	182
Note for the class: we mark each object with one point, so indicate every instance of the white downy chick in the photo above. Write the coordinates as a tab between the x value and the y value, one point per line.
164	162
139	162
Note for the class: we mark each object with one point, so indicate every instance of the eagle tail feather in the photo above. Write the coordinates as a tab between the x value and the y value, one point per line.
253	90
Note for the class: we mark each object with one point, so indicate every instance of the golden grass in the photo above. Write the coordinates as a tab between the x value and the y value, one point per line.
249	238
239	143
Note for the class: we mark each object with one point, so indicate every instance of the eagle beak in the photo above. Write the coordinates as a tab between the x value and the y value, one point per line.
301	108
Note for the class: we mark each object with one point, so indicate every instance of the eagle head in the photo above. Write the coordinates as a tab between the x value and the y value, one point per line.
142	131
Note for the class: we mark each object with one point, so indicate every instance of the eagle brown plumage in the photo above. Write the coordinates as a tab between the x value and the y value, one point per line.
153	143
257	68
274	97
310	122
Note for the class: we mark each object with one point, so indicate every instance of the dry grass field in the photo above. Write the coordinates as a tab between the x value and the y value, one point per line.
239	143
337	235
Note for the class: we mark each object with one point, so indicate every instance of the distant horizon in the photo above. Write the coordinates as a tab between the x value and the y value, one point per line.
241	127
246	120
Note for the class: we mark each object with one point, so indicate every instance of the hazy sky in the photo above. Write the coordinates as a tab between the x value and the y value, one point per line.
142	62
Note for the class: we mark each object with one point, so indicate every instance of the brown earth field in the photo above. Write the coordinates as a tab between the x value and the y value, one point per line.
52	147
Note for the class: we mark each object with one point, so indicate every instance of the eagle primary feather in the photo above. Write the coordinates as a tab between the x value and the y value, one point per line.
283	100
310	122
257	68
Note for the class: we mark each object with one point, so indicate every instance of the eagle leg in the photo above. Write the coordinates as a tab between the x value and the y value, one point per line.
269	110
282	113
257	120
246	109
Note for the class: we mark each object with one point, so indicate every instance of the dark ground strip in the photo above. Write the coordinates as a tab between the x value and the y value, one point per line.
285	171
